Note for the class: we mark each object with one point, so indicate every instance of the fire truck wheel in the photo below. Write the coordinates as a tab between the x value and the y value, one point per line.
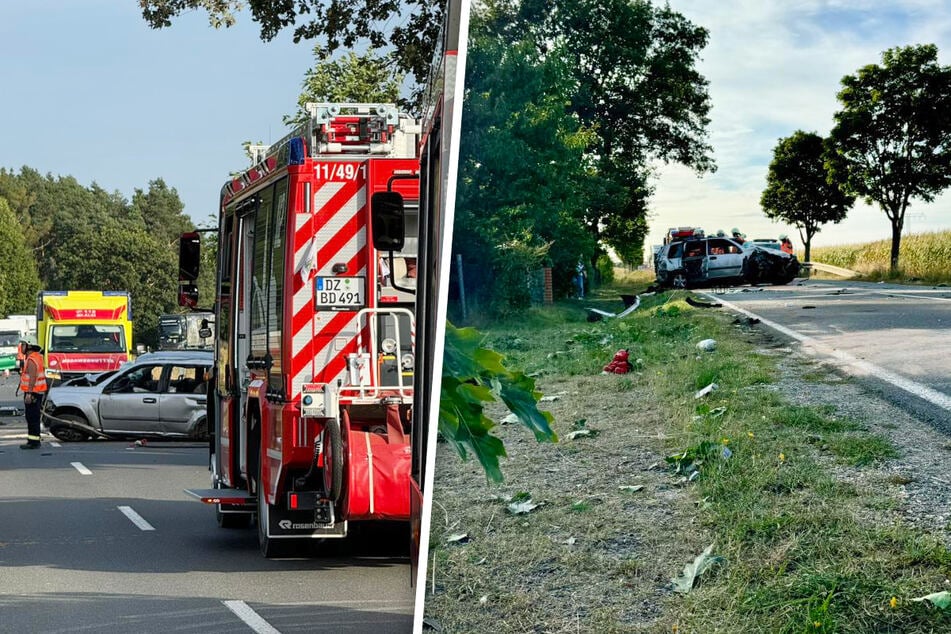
269	547
67	433
333	460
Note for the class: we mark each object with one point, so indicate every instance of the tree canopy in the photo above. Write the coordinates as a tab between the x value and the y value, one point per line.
353	78
86	238
568	106
798	189
407	28
19	282
892	136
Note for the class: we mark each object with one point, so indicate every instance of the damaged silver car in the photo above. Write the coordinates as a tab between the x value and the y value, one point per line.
160	394
718	261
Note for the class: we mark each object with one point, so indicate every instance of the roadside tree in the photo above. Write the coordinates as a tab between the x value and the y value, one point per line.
19	282
634	84
366	78
892	138
524	182
798	190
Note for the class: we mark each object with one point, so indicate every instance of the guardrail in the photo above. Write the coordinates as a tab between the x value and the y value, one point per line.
828	268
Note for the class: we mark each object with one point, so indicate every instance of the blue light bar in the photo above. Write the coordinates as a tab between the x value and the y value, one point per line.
296	147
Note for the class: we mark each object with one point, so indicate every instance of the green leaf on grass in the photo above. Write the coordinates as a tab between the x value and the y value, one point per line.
472	377
938	599
685	582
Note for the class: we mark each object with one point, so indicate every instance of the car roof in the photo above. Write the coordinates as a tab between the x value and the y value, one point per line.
177	356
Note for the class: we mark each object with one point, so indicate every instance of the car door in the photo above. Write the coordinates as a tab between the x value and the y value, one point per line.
724	258
669	260
184	399
130	402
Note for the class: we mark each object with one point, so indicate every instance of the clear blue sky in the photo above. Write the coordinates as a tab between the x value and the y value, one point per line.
90	91
775	66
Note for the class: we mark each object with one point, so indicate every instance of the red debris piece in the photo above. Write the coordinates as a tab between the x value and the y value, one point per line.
619	364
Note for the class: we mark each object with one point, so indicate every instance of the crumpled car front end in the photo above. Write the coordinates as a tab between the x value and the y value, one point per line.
768	266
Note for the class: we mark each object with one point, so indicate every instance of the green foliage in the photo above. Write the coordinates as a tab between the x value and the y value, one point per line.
798	190
567	106
892	138
366	78
19	282
90	239
346	24
472	377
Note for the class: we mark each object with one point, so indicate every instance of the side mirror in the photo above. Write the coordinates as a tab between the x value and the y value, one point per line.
387	216
188	295
189	256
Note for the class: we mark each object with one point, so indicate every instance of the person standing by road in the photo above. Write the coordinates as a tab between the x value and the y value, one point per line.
580	277
785	244
34	388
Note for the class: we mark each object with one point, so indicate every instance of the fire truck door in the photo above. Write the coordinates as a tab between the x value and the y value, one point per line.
242	337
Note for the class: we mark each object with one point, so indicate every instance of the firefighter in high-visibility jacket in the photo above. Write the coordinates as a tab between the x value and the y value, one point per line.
34	387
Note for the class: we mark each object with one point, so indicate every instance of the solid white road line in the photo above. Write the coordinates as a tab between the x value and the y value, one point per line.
250	617
859	367
135	518
81	468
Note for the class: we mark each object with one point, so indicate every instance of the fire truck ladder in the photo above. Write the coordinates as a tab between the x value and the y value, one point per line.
366	385
356	128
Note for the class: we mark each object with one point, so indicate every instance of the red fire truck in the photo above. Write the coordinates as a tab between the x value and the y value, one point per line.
314	372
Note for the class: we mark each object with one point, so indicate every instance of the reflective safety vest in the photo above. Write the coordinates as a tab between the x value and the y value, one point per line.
40	384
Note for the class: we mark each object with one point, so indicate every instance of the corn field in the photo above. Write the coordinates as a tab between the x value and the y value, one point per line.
923	256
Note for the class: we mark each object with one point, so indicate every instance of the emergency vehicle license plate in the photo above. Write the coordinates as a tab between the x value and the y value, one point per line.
339	293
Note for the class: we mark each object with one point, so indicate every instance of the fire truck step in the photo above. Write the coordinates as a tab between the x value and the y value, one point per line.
222	496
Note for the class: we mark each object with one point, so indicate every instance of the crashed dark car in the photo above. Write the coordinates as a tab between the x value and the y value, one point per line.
719	261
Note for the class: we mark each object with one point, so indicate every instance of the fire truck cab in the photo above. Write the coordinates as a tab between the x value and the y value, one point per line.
311	402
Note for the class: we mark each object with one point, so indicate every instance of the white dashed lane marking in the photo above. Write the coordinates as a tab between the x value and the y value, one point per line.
135	518
251	618
81	468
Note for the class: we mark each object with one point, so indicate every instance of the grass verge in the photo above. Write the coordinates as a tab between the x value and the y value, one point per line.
804	550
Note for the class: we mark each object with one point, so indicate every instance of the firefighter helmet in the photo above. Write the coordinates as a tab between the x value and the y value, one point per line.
29	340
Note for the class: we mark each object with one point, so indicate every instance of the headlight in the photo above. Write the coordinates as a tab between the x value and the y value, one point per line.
407	361
53	374
389	345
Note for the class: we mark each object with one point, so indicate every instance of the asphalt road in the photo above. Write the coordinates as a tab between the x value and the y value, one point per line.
98	537
896	339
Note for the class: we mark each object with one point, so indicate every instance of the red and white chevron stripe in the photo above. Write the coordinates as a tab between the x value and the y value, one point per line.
334	233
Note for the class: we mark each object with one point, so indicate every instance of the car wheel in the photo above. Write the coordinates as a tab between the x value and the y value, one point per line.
67	433
201	430
678	280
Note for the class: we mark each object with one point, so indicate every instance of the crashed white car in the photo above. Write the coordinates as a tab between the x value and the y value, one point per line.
721	261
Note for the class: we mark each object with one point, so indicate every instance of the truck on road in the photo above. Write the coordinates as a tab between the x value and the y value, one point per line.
188	331
83	332
12	329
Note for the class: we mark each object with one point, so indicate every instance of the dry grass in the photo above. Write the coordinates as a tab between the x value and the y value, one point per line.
924	257
596	557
